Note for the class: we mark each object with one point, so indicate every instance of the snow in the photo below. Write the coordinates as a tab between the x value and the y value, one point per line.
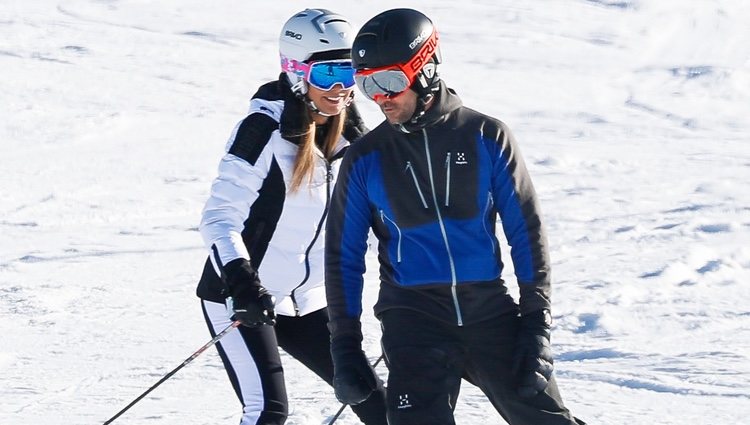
633	117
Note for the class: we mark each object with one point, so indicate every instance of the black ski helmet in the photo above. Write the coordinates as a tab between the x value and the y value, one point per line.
400	37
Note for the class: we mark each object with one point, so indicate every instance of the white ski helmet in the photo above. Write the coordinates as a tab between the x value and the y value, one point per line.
316	34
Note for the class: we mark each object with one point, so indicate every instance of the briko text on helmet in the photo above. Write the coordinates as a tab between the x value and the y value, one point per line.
425	53
425	33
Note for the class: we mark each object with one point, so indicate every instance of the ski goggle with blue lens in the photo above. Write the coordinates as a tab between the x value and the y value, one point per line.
322	75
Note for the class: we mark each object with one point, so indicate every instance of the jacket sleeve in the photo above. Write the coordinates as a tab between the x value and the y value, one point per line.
242	171
349	221
520	215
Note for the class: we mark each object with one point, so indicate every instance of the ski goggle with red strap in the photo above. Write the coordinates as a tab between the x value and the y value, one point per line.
390	81
322	75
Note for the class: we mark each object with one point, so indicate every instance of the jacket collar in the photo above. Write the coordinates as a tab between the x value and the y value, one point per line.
445	101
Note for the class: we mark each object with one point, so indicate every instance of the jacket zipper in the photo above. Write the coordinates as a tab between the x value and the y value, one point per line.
329	179
384	217
416	184
447	179
454	280
484	222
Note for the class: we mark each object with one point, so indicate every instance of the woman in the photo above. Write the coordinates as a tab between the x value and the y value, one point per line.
265	219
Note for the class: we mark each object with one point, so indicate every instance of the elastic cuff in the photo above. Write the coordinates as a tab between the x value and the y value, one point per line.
345	328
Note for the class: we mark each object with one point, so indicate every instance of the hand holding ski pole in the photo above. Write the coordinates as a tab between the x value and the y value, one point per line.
343	406
252	304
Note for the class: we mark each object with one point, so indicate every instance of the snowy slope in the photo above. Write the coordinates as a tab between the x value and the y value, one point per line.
633	116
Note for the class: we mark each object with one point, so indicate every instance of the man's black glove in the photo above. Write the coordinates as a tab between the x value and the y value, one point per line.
252	304
532	359
353	377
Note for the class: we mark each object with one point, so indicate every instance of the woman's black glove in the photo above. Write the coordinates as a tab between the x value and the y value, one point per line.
253	306
353	377
532	359
295	118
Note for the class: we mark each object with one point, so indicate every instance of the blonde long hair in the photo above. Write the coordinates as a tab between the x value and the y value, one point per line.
304	163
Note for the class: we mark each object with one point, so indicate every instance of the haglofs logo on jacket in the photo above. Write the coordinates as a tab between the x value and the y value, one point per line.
461	158
403	401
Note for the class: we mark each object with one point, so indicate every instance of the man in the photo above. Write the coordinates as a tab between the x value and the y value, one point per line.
430	182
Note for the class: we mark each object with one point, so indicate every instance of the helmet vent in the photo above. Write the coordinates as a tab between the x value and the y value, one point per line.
320	26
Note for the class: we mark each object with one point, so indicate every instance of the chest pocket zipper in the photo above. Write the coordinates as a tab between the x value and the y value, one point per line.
447	179
384	217
416	183
484	221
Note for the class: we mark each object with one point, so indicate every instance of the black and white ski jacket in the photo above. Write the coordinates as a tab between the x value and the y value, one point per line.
432	198
250	214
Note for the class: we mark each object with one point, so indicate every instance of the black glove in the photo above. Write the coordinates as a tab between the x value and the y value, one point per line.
353	377
532	359
295	118
251	302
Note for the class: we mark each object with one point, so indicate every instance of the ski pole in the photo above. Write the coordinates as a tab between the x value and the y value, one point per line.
343	406
219	336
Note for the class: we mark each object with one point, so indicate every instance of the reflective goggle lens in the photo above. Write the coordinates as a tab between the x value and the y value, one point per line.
385	83
326	74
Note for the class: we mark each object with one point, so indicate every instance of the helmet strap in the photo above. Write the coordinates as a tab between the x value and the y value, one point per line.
414	123
426	84
421	108
426	80
299	88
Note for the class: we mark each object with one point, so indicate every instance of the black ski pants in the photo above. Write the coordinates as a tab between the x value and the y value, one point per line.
252	361
427	358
